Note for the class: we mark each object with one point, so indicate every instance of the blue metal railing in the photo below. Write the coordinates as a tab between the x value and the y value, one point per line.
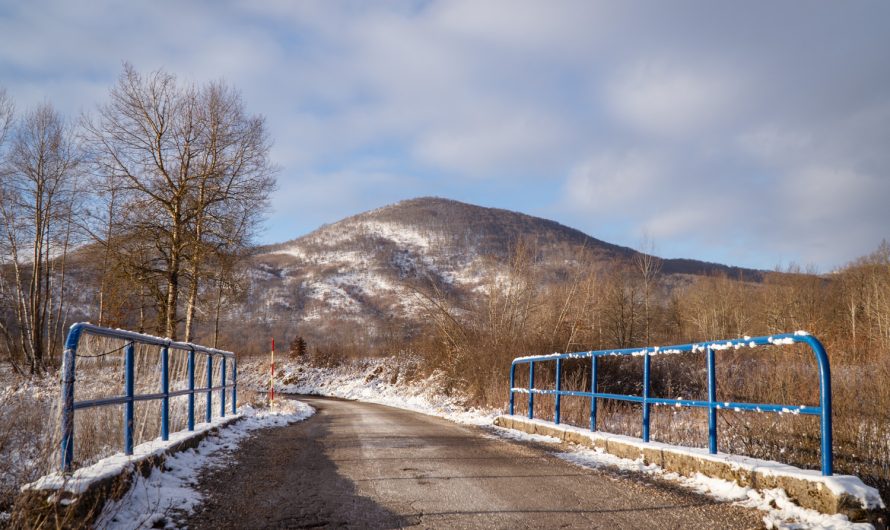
129	399
823	410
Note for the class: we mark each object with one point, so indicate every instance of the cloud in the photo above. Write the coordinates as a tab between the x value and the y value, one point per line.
658	98
613	183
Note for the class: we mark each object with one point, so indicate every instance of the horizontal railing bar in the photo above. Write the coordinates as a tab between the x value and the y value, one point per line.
730	405
120	400
199	390
702	347
117	400
720	405
149	339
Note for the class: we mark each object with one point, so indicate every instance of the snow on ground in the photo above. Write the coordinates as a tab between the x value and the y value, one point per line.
157	501
780	511
373	381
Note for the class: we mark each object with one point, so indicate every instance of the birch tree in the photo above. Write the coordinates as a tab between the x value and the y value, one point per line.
36	211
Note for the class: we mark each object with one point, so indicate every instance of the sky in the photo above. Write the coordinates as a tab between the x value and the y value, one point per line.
749	133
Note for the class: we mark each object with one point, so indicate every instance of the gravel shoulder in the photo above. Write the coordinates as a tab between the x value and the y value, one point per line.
362	465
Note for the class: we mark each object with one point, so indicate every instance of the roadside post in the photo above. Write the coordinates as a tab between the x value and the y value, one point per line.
272	375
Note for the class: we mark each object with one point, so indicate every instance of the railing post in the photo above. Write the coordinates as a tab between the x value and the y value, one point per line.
593	391
512	384
234	386
222	391
558	389
129	375
824	403
165	388
712	403
646	362
208	414
68	362
191	375
531	386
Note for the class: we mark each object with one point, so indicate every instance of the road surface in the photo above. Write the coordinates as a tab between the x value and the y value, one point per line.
360	465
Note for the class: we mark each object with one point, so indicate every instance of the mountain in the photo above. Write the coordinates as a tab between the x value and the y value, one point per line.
367	268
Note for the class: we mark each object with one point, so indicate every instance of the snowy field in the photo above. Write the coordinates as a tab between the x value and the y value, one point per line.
379	381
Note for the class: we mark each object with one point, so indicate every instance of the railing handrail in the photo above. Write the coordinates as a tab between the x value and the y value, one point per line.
69	405
709	347
76	329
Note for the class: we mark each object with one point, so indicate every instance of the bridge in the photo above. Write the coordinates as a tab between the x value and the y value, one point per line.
369	465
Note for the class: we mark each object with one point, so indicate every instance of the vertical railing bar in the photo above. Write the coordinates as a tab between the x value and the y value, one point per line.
208	414
825	420
222	391
512	385
191	376
129	385
712	403
165	388
68	377
593	385
558	390
531	386
646	368
234	385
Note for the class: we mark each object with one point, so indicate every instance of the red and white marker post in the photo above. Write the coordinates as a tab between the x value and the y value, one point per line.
272	375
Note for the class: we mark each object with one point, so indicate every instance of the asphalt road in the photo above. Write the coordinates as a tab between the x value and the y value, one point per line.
360	465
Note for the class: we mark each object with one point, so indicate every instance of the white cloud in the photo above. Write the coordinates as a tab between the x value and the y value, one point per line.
515	144
613	183
659	98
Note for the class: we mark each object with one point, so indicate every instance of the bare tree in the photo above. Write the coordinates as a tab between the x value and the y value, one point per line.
193	174
36	214
649	266
232	190
7	111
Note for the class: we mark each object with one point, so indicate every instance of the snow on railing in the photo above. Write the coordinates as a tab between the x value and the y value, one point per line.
129	399
823	410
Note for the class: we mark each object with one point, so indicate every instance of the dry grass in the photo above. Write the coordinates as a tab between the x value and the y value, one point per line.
29	423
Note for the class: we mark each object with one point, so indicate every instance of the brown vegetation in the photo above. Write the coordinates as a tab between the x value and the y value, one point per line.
603	308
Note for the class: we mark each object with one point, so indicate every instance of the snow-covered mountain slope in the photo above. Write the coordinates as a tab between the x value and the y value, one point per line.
374	266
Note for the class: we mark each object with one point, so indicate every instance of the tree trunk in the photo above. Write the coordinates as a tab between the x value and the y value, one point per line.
173	280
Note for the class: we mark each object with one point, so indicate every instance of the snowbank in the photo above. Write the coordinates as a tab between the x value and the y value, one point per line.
780	511
780	488
167	471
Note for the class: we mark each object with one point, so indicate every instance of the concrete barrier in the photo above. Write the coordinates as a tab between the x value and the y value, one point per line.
843	494
75	500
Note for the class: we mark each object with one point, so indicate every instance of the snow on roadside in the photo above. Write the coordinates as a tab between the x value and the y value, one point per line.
521	436
780	511
166	494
